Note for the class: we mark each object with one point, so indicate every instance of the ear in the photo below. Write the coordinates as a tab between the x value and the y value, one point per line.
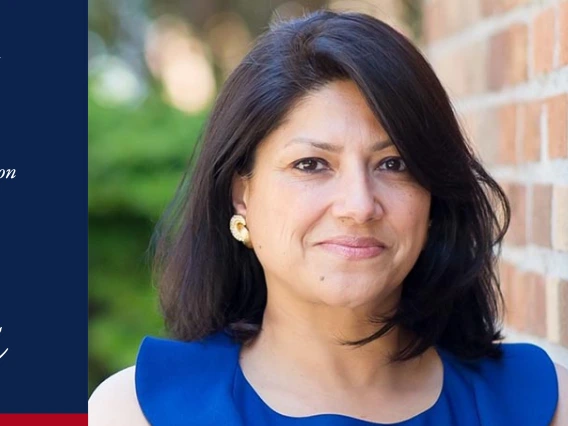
240	193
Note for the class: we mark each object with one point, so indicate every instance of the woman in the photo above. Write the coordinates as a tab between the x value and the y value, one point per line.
331	260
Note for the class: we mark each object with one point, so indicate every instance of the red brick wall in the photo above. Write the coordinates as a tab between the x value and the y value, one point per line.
505	65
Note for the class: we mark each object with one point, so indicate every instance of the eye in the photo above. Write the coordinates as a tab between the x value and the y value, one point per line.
310	165
393	164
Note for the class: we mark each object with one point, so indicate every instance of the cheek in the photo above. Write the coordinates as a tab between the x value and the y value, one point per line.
410	210
284	213
279	213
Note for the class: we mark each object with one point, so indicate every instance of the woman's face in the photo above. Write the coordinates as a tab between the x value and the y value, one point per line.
334	216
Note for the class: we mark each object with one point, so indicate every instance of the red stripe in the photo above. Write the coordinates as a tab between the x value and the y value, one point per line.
43	419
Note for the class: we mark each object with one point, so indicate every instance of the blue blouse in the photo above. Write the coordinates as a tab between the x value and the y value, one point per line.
202	384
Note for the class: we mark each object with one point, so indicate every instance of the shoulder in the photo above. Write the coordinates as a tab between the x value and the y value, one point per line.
525	373
177	380
165	362
521	364
520	387
561	415
114	401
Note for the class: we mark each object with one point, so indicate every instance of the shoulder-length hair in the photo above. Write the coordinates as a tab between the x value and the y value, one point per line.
209	282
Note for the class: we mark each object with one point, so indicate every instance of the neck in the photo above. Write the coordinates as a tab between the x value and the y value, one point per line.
307	343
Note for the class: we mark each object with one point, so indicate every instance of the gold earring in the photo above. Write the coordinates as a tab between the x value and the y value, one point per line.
238	227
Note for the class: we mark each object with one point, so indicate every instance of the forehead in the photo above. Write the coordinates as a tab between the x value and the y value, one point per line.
333	113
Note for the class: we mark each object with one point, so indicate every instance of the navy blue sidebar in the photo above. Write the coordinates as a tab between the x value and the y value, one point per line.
43	210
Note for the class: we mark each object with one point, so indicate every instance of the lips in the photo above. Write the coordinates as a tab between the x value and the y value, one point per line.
354	248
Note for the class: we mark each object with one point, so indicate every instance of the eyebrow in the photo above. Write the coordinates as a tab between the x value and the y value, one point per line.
325	146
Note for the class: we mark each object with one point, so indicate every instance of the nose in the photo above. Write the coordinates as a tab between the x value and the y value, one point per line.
356	197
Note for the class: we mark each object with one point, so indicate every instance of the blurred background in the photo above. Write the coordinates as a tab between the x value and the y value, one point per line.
154	69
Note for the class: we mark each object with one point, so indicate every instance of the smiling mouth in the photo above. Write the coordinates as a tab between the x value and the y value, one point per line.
352	252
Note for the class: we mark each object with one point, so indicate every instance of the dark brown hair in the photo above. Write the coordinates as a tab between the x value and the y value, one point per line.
209	282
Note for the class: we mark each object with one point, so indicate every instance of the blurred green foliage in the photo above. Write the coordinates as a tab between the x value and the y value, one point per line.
137	157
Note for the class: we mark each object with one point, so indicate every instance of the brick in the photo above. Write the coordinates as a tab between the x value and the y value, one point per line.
506	271
541	215
553	309
507	134
516	234
563	311
560	218
493	7
531	131
526	303
490	7
558	126
518	72
516	300
459	14
507	5
475	57
507	64
498	62
543	41
487	133
470	11
563	33
535	304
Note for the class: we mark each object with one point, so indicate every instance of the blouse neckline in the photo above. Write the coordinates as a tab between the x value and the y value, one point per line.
309	420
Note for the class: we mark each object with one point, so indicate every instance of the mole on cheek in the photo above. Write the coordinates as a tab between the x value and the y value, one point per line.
322	278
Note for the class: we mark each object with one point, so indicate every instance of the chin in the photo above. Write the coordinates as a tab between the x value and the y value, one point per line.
346	293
